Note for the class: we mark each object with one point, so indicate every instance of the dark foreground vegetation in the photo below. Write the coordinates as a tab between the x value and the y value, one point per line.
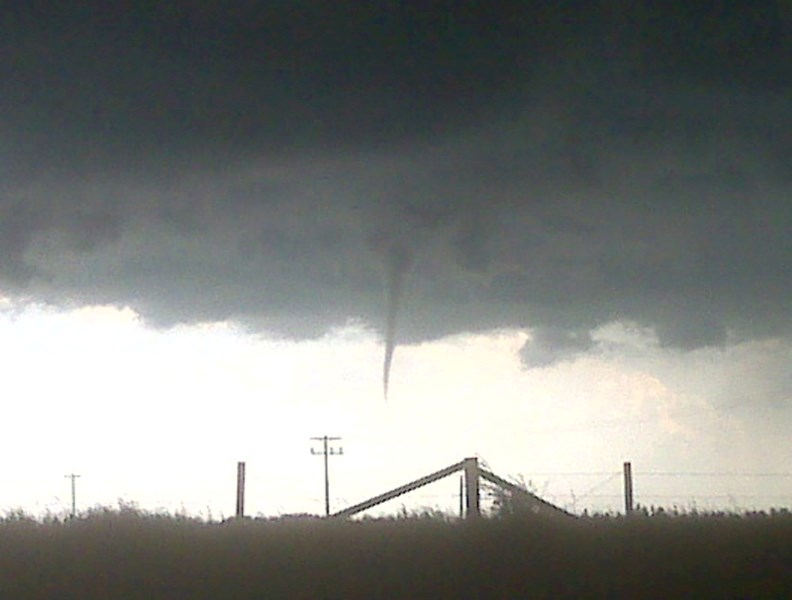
125	553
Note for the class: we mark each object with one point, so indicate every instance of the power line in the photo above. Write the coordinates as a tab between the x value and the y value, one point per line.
659	474
575	473
710	474
699	496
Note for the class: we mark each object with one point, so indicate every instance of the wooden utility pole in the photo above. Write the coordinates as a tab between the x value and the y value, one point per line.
240	498
73	478
628	489
327	452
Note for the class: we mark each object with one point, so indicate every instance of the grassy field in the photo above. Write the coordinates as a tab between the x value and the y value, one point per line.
119	554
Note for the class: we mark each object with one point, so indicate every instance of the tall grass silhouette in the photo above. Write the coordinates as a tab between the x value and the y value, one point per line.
127	553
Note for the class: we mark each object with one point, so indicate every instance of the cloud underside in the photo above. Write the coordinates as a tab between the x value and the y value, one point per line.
200	166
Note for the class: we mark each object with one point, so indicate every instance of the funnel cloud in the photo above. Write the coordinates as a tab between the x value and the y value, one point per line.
398	263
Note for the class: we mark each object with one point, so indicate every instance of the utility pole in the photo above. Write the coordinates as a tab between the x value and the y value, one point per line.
327	452
73	478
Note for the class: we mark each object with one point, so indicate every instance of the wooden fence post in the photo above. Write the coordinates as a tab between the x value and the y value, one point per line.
628	489
472	488
240	499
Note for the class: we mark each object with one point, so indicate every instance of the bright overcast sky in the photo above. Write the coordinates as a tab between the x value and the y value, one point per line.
568	225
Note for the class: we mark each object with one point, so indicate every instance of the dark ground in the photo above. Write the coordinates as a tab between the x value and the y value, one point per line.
128	554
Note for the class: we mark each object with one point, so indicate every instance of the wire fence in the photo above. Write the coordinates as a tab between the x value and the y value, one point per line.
574	491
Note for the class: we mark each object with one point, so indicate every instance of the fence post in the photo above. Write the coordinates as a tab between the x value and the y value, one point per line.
240	499
628	489
472	488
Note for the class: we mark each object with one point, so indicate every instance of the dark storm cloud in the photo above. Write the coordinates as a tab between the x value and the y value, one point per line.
548	346
552	168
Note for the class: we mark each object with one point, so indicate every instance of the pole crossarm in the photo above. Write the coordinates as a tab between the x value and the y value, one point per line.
396	492
516	489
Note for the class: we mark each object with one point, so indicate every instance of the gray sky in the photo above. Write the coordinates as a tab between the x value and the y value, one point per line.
299	167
